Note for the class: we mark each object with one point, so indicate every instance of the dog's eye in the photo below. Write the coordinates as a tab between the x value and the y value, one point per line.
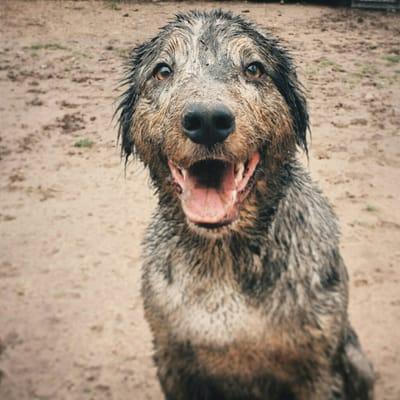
162	72
254	70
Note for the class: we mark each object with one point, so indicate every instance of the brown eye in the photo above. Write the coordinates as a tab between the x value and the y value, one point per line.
162	72
254	70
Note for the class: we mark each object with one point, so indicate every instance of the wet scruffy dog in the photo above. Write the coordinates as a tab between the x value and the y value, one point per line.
244	287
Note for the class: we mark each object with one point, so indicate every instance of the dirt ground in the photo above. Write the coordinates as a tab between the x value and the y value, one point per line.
71	320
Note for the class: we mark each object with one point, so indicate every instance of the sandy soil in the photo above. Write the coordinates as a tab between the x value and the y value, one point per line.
71	321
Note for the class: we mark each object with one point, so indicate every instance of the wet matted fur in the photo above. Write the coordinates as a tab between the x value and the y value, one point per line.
244	287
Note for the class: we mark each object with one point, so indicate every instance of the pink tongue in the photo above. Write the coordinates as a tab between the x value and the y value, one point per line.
210	205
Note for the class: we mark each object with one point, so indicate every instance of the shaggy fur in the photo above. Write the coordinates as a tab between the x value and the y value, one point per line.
256	307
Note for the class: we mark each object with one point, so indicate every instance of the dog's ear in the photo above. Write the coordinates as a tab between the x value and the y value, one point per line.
280	68
285	79
126	107
283	74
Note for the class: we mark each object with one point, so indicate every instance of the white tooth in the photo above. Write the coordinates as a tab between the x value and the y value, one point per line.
234	195
239	171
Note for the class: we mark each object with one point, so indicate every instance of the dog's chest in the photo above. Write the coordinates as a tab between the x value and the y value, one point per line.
205	311
228	335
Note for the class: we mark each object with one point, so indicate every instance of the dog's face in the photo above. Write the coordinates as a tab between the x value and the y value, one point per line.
212	105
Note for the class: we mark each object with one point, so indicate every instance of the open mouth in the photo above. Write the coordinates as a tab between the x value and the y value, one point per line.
212	190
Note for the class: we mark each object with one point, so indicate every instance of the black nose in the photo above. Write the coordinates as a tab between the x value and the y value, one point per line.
208	125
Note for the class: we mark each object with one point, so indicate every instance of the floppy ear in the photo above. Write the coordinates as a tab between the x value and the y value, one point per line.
128	100
283	75
285	79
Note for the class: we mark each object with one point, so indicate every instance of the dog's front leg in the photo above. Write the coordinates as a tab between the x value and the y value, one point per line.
179	377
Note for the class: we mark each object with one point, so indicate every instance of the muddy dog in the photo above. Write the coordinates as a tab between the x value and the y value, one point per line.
244	287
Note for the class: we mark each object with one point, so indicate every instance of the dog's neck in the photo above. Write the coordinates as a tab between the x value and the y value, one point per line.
258	254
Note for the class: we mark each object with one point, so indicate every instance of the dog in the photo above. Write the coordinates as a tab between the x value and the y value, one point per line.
244	287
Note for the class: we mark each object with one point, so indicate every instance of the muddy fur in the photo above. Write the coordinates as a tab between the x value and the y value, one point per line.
256	309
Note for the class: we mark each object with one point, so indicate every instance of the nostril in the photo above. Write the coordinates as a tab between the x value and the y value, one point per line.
192	122
223	122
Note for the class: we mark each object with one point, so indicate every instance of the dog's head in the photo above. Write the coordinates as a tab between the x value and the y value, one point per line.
211	106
